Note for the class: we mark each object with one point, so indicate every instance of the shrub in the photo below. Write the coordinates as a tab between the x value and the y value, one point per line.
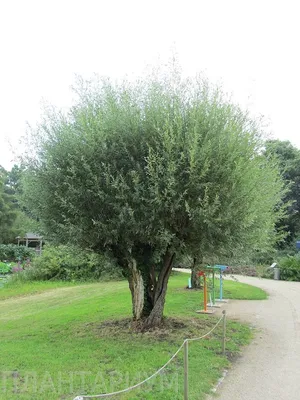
16	269
241	270
264	271
263	257
71	263
5	268
290	268
288	251
13	252
260	271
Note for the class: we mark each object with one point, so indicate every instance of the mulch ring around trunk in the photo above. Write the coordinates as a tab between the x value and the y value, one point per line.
170	329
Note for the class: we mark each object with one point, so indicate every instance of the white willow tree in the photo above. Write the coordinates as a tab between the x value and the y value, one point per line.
150	170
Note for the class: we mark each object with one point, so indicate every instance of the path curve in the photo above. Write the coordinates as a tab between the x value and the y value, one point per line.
269	368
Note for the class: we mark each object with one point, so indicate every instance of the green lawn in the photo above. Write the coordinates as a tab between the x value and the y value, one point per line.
60	340
19	288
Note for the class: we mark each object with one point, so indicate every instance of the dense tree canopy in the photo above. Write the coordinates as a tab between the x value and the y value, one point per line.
8	212
13	180
14	220
288	157
150	170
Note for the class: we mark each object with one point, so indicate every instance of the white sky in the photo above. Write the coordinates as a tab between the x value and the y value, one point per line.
252	46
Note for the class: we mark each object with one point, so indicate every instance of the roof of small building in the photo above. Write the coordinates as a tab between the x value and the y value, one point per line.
31	235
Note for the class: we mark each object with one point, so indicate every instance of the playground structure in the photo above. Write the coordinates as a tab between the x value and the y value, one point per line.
212	295
221	269
205	309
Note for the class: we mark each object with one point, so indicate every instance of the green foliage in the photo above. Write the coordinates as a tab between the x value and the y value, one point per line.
12	252
288	157
290	268
150	169
7	210
241	270
289	250
5	268
159	164
14	221
24	223
260	270
264	257
13	179
70	263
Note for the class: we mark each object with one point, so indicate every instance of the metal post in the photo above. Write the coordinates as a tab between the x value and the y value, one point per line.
186	370
205	292
224	332
221	285
213	288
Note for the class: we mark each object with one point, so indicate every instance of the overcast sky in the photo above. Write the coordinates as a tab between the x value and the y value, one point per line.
252	46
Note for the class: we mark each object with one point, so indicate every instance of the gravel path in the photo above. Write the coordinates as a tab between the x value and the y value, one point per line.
269	368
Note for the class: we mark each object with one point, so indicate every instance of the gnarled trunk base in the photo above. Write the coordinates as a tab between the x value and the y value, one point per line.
156	315
148	293
136	286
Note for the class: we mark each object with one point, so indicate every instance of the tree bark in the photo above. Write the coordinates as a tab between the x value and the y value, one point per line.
148	293
195	280
136	286
160	291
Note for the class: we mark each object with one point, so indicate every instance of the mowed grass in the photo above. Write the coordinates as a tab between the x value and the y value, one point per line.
19	288
61	341
240	291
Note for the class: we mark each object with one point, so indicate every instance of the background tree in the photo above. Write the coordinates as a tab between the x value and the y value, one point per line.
150	170
288	158
14	220
8	212
13	180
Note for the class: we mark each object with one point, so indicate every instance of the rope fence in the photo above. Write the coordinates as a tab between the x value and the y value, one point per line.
184	345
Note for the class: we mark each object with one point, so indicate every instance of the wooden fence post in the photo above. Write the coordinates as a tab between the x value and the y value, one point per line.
186	370
224	332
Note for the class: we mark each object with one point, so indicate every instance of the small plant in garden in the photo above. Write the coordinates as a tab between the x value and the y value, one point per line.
8	268
13	252
5	268
17	268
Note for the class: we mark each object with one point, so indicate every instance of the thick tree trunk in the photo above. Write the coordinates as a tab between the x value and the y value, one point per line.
148	293
195	280
136	286
160	291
